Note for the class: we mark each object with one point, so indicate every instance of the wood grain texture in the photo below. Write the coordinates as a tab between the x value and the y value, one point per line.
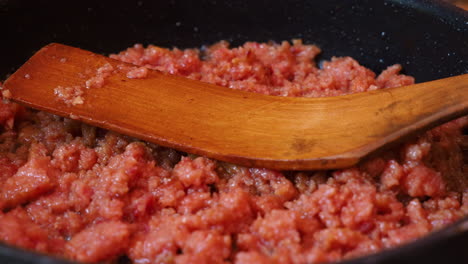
235	126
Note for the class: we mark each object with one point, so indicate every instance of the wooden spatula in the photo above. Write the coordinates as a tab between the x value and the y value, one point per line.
230	125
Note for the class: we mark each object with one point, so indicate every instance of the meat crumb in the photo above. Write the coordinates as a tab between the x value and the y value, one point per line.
138	73
70	95
74	95
6	94
77	100
97	81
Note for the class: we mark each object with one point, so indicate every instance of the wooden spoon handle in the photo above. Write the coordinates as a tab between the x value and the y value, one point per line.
240	127
423	105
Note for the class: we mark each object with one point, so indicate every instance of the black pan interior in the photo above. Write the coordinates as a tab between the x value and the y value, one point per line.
429	38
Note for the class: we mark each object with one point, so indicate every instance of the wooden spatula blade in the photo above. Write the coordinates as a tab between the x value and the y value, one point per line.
225	124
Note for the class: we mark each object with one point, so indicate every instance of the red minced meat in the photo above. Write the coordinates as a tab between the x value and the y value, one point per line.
83	193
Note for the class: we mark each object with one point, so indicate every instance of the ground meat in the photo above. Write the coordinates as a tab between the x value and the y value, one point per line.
70	95
98	79
102	241
138	73
7	110
74	95
87	194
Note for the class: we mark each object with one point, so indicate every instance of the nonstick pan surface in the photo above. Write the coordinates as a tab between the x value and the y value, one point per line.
429	38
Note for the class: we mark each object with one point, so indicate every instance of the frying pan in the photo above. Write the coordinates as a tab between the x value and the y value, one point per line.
429	38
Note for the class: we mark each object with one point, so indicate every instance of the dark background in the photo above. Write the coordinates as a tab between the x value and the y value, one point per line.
429	42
